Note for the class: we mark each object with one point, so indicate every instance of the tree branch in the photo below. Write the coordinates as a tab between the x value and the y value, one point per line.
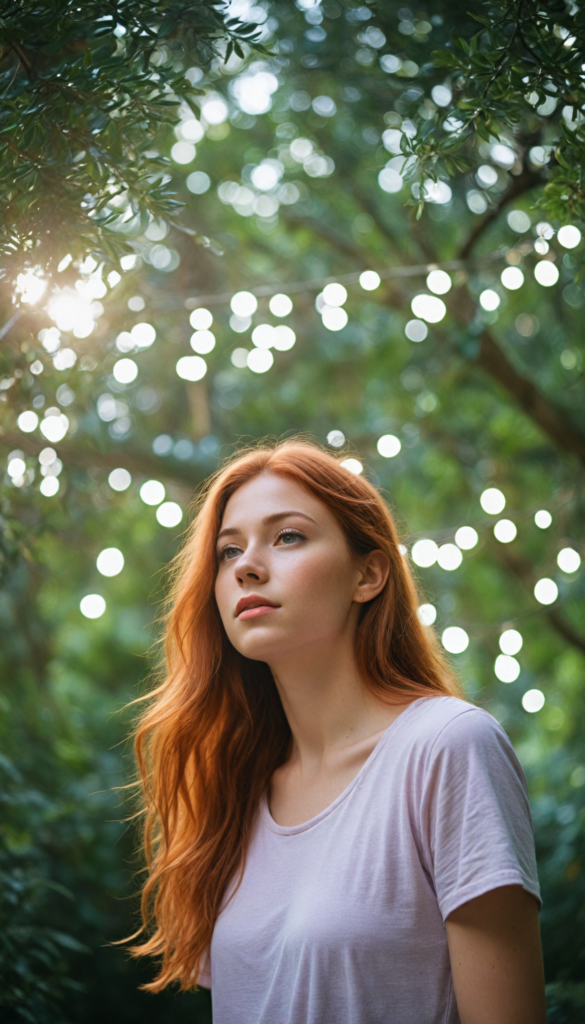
366	202
566	630
522	568
23	59
335	238
523	183
554	422
185	477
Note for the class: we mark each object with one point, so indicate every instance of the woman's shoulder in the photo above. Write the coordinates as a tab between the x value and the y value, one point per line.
444	723
455	743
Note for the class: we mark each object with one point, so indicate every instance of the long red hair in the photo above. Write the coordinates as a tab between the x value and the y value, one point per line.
214	729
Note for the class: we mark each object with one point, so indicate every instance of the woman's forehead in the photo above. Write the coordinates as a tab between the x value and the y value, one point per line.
268	494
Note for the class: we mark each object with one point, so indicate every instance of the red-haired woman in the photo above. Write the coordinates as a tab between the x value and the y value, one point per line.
334	834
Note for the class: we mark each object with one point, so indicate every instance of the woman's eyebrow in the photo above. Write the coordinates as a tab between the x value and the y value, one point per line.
230	531
282	515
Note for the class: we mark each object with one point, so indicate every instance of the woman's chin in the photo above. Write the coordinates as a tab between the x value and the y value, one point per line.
258	647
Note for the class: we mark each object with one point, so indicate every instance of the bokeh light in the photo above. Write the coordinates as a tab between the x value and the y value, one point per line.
335	294
191	368
492	501
49	486
27	421
336	438
546	273
202	342
455	640
416	330
489	300
125	371
427	614
546	591
201	319
259	360
64	359
54	426
280	305
110	562
352	465
244	304
505	531
569	236
183	152
449	557
169	514
16	466
439	282
429	308
424	553
143	335
369	280
240	324
152	492
214	109
30	287
511	641
543	519
92	606
533	701
512	278
519	221
119	479
334	318
263	336
466	538
506	668
390	180
198	182
239	358
283	338
388	446
568	560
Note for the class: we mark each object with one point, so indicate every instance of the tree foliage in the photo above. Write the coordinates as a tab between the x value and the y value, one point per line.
323	142
522	71
85	89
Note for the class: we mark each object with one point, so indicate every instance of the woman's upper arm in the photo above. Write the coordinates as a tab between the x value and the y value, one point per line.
496	958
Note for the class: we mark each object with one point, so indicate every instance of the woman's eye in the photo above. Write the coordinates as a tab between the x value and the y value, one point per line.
289	536
228	552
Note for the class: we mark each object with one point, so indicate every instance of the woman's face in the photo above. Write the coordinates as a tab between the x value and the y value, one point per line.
286	577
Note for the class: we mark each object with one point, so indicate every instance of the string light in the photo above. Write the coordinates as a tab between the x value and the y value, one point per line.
110	562
169	514
152	492
533	700
92	606
511	642
367	279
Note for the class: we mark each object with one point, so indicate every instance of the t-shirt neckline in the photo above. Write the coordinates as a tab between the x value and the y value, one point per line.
290	830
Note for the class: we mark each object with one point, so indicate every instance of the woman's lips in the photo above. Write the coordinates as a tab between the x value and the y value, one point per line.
253	613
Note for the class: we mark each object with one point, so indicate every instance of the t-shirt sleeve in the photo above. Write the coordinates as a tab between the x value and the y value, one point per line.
476	825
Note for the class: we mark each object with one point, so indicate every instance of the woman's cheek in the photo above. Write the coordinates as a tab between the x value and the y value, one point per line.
314	579
222	599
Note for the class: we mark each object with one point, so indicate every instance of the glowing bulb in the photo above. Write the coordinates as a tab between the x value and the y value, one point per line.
455	640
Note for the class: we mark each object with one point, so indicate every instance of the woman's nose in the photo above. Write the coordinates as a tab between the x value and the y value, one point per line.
250	567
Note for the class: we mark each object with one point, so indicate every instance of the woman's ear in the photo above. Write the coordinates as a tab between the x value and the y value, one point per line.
375	569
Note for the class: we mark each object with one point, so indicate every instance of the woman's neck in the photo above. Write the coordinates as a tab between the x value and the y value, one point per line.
327	703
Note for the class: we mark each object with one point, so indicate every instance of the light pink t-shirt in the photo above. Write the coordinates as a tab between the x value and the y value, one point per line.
340	920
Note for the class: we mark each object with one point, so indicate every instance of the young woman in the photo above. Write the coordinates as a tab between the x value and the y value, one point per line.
334	834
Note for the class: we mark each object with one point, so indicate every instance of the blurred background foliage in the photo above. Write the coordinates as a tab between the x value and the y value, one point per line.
181	184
